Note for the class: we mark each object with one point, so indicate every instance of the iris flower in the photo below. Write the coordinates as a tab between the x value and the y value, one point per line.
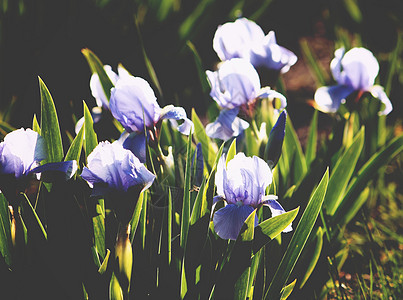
354	71
242	185
134	105
115	172
111	168
235	86
20	155
245	39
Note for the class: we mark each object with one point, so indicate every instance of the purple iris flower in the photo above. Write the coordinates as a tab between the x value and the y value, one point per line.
21	153
134	105
245	39
235	86
242	185
354	71
111	168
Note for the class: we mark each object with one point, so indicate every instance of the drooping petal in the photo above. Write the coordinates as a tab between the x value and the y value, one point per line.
235	83
228	220
227	125
133	104
271	55
234	39
21	151
177	113
329	98
96	88
378	92
136	143
276	209
51	170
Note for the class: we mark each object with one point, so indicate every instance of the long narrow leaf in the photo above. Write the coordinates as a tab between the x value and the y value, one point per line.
90	137
298	240
342	173
310	152
76	146
5	230
365	174
186	196
97	67
50	129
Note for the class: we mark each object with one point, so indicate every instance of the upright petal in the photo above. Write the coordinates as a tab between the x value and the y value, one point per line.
245	180
234	39
96	87
21	151
228	220
329	98
116	167
271	55
272	95
359	69
133	104
235	83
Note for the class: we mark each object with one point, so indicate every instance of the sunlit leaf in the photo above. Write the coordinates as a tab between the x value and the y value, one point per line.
298	240
50	129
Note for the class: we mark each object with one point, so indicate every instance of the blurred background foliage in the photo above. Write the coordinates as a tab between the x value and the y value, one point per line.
44	38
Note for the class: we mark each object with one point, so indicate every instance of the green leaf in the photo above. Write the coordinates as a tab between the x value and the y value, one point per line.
298	240
90	137
200	136
186	196
169	227
288	290
231	151
36	216
272	227
320	75
99	228
147	61
74	151
197	206
5	230
294	151
200	70
102	268
234	277
97	67
136	215
35	125
364	175
342	173
315	253
50	129
310	152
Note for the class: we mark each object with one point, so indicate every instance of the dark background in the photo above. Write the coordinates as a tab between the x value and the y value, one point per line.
44	38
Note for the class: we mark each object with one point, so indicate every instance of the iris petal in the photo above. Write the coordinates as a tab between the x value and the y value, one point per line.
228	220
177	113
276	209
378	92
